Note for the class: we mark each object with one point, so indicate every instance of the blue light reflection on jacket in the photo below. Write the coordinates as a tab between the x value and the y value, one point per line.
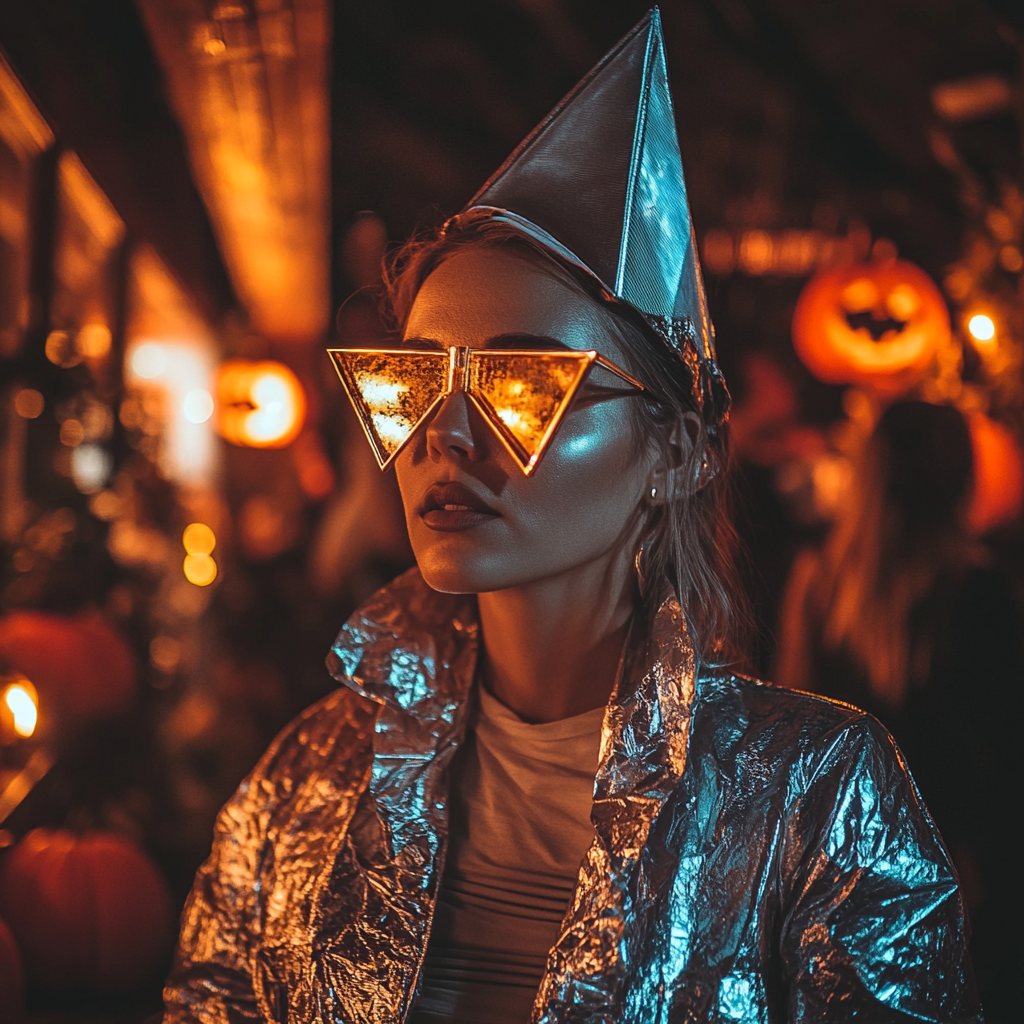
759	855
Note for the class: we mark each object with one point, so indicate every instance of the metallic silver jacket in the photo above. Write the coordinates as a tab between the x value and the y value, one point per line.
759	855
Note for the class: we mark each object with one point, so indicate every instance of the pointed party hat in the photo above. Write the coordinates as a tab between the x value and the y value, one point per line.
600	182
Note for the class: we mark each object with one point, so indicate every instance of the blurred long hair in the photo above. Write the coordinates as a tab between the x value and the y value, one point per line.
900	530
690	539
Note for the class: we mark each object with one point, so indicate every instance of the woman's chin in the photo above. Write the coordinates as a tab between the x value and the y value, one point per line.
448	578
462	572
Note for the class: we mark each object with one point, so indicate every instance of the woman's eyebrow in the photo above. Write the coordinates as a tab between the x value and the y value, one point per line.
423	343
524	341
512	340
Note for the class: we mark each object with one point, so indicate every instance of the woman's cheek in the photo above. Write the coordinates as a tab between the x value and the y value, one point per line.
589	486
598	442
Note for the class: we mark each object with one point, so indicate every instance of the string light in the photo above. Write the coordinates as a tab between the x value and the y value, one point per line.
981	327
200	570
29	403
199	541
149	360
198	405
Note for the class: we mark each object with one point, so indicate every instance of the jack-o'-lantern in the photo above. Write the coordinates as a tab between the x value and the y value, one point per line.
80	664
876	325
258	404
12	985
90	913
998	493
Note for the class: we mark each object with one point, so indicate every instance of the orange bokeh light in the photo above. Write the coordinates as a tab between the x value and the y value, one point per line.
258	404
200	570
998	494
21	706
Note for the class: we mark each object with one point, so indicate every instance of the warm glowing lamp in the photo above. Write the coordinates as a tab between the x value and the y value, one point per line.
149	360
982	327
21	703
982	330
258	404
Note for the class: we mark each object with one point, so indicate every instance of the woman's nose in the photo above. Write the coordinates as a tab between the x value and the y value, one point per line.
452	432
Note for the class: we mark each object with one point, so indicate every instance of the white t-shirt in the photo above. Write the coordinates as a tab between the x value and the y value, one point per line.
520	825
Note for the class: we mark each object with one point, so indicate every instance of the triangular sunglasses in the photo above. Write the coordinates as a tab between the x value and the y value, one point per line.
522	393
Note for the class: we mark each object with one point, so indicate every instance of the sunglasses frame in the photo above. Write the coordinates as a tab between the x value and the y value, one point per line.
459	361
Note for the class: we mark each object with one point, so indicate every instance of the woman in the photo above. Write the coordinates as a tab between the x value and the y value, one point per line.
536	791
902	615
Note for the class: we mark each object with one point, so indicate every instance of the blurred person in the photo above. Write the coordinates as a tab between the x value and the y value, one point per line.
540	792
903	615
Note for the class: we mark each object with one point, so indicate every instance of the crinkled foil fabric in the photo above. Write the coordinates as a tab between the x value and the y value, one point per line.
759	855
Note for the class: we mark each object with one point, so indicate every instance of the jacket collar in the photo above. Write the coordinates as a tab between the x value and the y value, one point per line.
408	648
413	651
643	755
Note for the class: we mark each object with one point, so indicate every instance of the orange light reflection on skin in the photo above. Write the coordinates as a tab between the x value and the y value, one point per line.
258	404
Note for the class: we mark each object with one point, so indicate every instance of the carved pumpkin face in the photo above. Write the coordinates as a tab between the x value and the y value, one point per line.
877	325
259	404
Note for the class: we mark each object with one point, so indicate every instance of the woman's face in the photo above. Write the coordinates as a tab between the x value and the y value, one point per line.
476	522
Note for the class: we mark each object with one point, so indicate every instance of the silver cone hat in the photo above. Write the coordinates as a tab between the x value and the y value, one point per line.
600	182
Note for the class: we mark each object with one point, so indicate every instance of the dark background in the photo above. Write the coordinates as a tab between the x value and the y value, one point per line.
792	114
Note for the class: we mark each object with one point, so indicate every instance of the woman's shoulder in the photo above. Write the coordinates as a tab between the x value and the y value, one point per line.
330	738
759	699
751	718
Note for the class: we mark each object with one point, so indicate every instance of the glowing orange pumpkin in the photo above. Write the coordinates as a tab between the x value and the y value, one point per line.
90	912
877	325
998	493
258	404
80	664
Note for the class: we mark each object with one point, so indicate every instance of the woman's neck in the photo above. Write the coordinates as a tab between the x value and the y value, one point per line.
551	649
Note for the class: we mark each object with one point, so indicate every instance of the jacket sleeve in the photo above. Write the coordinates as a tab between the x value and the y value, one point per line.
211	980
271	843
874	927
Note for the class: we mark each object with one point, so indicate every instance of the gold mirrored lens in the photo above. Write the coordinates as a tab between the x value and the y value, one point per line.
525	394
391	392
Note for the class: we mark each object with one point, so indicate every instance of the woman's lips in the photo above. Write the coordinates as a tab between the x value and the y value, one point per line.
453	506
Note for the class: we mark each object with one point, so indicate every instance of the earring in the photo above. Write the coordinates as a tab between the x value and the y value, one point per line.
654	492
703	473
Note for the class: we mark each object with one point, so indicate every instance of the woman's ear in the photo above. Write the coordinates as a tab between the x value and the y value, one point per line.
677	471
